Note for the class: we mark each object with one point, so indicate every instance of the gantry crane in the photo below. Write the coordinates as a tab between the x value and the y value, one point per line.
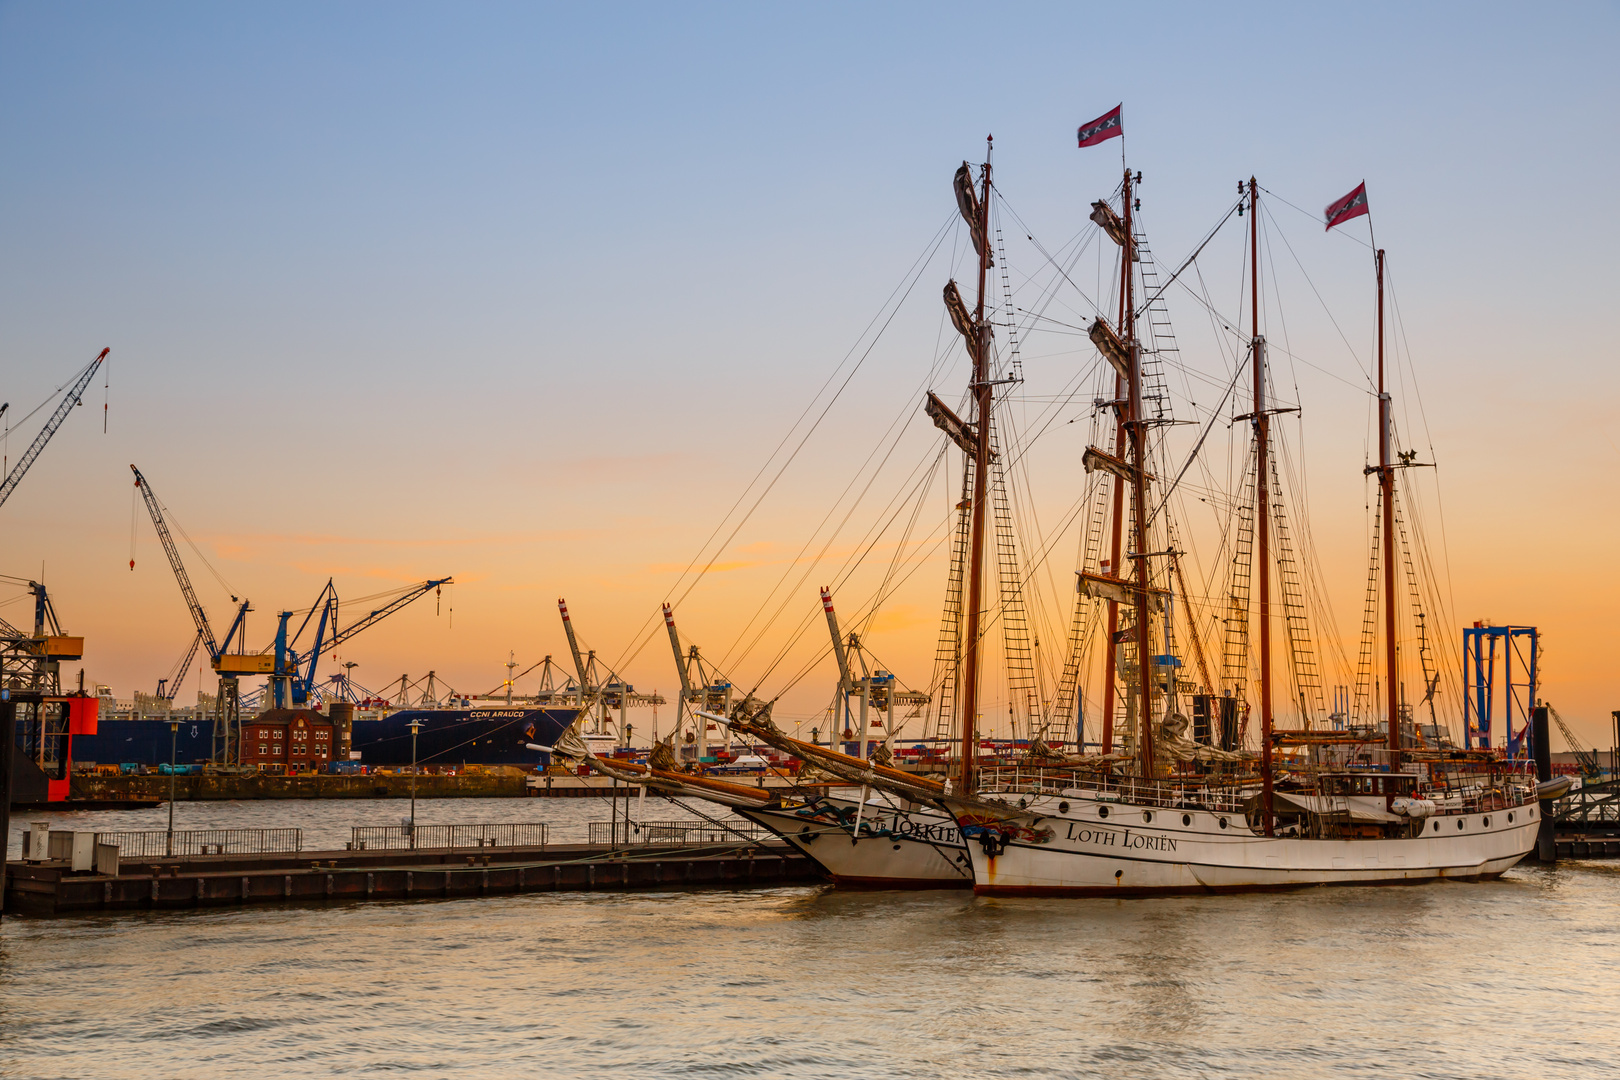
74	395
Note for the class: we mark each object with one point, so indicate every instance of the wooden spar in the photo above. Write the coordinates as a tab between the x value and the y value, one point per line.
981	469
1121	392
850	768
1144	652
634	771
1262	502
1386	484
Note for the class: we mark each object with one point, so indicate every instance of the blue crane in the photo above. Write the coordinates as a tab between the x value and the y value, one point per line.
294	677
74	395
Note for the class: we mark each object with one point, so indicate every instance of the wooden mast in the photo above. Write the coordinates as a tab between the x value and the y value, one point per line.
1386	484
1262	500
1144	651
1115	569
981	469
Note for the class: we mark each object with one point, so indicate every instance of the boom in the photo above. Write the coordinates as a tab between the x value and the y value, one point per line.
72	398
324	644
198	616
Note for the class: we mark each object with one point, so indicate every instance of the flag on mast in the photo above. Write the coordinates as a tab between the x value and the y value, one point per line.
1353	205
1104	127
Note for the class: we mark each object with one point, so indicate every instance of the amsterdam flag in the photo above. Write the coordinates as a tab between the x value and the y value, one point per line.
1352	205
1104	127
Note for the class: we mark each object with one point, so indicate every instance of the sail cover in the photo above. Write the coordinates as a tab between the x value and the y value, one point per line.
1111	223
1116	589
1096	458
971	332
962	434
1102	335
967	201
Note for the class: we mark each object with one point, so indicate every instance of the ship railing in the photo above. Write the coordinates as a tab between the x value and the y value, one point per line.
407	837
676	833
1037	780
161	844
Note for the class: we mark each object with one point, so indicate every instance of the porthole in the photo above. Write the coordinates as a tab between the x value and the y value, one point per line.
1532	811
1147	815
1460	824
1485	822
1186	819
1102	811
1063	808
1223	823
897	847
1510	817
1437	826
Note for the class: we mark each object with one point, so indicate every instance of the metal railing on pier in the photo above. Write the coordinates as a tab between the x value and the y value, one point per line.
403	837
677	833
160	844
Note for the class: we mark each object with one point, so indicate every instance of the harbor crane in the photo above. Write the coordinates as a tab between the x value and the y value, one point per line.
601	689
1587	760
229	666
875	687
74	396
292	676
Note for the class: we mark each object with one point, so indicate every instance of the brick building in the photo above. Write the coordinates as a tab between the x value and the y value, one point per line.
294	739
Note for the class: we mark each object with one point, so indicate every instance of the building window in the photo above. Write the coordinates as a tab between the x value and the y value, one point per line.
263	749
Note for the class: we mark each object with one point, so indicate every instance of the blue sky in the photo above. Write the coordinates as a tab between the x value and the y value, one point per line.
527	289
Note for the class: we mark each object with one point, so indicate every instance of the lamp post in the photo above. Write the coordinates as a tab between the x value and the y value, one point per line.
174	738
416	726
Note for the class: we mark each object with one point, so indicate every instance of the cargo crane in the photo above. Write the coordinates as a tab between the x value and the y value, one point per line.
703	690
602	690
1591	767
230	667
73	397
875	687
292	676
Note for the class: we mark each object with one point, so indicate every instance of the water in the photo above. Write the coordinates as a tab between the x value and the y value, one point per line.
1514	978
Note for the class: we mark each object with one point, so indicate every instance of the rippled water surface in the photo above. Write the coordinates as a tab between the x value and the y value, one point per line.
1515	978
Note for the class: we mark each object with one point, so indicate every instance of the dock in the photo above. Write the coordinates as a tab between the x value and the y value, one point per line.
94	877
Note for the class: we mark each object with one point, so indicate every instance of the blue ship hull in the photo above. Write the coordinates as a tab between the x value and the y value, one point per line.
489	736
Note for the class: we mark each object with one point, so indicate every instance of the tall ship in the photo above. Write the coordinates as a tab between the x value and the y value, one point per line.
1326	802
1221	756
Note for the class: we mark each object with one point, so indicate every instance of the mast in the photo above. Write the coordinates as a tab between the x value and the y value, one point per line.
1121	393
1262	499
1135	429
981	471
1386	484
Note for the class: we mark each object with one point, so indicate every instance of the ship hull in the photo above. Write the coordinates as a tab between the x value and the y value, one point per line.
490	736
896	849
1142	850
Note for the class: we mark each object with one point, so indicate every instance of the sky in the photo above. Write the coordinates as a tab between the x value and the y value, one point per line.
528	295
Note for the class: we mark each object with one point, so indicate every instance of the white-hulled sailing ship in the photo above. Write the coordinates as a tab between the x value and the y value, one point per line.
1330	806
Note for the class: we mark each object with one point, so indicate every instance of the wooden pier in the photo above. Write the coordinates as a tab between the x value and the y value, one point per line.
52	888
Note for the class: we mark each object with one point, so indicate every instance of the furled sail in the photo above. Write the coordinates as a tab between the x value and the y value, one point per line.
967	201
1113	225
961	432
1102	335
971	332
1095	458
